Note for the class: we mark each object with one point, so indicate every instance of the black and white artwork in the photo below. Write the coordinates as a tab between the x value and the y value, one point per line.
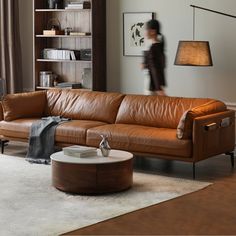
134	32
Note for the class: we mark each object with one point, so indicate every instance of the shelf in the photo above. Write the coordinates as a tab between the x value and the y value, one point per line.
67	61
91	21
45	88
61	10
63	36
49	88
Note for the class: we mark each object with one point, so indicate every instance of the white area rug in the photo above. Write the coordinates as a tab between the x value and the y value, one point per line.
29	205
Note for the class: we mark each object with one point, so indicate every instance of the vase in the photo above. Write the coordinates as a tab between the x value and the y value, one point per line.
51	4
55	4
104	146
58	4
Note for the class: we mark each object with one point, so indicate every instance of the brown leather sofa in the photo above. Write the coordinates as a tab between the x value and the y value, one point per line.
184	129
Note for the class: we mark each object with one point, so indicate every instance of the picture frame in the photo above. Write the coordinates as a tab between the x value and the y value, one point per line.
134	42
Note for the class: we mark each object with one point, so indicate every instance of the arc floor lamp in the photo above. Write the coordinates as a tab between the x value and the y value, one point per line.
195	53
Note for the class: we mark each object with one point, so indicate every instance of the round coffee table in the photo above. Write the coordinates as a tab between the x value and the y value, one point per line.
92	175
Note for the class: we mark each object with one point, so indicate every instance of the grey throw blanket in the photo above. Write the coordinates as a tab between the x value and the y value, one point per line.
42	139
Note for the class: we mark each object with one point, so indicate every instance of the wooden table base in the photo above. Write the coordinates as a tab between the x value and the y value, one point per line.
92	178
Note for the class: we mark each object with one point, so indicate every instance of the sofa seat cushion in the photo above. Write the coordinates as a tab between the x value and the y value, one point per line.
17	128
141	139
72	132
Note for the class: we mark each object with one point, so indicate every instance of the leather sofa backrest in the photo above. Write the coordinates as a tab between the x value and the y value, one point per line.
63	103
83	105
153	111
24	105
156	111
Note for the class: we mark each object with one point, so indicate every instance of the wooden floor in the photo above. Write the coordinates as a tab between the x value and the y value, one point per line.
211	211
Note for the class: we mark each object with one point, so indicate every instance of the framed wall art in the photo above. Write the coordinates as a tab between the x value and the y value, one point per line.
134	42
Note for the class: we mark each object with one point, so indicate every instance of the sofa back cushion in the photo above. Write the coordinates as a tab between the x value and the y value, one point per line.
156	111
24	105
83	105
63	103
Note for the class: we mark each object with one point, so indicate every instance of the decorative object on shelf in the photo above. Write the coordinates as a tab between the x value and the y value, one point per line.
55	4
86	54
51	4
46	79
55	81
68	30
104	146
53	27
87	78
59	4
134	42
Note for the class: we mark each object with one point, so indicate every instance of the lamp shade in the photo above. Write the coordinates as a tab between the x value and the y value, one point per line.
193	53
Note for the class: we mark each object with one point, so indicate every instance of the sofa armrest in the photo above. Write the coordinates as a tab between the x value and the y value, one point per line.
24	105
213	135
1	112
185	126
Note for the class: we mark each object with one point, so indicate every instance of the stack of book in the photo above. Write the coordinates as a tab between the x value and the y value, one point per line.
61	54
80	151
79	5
74	33
69	85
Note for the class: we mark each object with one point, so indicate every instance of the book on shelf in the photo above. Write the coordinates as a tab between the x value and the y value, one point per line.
73	33
61	54
74	8
80	151
71	85
83	3
53	32
79	5
72	55
75	55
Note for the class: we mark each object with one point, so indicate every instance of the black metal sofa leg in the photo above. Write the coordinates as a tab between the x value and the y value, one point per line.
231	154
3	144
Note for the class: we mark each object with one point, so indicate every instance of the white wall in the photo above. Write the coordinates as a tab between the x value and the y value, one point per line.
124	73
176	16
